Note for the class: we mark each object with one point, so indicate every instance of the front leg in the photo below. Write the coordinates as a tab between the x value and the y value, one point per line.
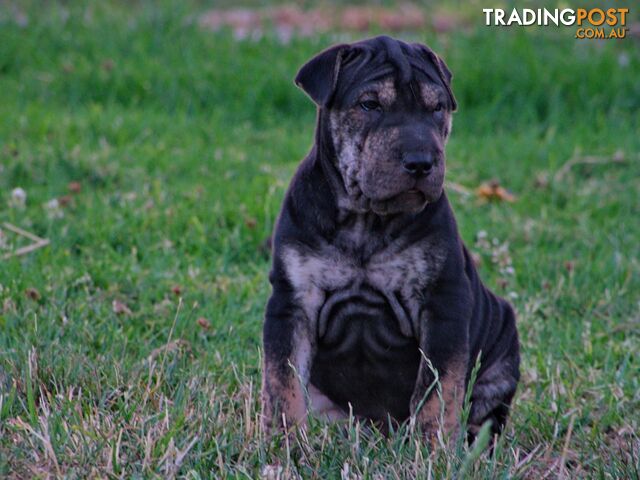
438	396
288	351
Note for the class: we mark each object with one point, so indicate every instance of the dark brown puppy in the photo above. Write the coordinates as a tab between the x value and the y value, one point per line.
373	291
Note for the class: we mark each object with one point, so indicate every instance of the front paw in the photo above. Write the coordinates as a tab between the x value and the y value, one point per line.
277	418
436	434
430	433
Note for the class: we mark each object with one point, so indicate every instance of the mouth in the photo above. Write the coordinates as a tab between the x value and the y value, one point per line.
411	200
411	197
406	195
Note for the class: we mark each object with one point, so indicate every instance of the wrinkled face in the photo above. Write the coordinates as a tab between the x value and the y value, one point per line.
389	140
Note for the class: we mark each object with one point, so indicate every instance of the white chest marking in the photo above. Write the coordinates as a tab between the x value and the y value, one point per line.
391	271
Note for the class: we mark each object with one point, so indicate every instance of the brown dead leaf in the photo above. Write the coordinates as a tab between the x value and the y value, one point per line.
32	294
204	323
74	187
65	200
250	222
494	191
120	308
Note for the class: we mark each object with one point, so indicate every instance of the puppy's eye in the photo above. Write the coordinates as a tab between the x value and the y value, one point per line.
438	108
369	105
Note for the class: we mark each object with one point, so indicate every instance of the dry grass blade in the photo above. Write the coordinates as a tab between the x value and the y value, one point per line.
618	157
527	458
456	187
43	437
562	473
22	232
38	242
171	346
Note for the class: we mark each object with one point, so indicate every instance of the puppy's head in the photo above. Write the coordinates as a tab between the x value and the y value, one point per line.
388	105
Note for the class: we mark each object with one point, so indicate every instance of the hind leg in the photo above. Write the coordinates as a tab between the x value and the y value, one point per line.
492	395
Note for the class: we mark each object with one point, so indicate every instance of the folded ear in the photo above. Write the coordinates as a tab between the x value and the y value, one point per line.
443	66
445	76
443	71
319	76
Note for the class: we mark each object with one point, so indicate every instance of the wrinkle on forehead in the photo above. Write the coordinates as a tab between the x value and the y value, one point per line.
384	88
357	74
373	60
423	91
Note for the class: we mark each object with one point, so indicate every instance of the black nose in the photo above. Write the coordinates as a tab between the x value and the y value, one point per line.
417	164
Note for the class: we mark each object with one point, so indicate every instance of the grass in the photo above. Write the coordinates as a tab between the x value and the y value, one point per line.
130	347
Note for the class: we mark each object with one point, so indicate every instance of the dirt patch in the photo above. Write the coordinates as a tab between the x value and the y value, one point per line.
290	20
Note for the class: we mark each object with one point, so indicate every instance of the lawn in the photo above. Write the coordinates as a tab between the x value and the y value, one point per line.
154	155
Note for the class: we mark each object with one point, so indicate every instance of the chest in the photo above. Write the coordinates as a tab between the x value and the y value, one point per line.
398	273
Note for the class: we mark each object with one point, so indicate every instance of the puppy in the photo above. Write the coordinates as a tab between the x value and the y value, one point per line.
376	303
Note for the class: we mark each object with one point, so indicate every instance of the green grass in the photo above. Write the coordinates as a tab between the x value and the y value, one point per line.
184	141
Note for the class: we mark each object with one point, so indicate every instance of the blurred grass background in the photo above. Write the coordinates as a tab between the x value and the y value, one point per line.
183	140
